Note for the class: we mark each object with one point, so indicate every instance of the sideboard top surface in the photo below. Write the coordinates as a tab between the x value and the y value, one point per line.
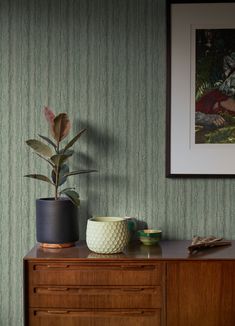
166	250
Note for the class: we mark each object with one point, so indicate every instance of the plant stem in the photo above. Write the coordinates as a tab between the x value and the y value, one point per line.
57	174
56	192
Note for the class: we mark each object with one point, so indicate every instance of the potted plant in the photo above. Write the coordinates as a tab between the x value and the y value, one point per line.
56	217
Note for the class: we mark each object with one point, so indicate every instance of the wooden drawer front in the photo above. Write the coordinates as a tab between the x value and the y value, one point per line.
52	317
95	297
94	274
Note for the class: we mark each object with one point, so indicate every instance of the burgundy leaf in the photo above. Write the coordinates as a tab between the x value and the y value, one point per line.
49	115
61	127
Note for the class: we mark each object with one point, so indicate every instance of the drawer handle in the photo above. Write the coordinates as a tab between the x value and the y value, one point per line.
132	290
139	267
57	266
91	290
136	313
57	312
57	289
88	313
136	289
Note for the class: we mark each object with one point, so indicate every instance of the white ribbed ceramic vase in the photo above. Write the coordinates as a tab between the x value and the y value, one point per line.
107	235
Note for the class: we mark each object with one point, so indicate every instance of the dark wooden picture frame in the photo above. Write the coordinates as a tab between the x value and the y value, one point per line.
169	171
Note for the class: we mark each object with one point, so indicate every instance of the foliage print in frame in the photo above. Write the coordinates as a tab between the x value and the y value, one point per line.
201	89
215	86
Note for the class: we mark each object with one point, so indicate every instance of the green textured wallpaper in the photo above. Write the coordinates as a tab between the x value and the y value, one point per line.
103	62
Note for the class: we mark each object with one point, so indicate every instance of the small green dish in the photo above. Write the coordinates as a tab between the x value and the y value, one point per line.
149	237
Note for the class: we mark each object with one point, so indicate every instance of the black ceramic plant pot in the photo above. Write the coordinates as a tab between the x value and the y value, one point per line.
56	222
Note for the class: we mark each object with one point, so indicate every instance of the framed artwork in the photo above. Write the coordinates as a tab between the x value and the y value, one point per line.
201	89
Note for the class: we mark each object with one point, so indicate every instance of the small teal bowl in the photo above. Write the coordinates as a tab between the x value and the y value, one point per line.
149	237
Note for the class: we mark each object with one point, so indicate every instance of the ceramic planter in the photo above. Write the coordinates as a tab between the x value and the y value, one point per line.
107	235
56	222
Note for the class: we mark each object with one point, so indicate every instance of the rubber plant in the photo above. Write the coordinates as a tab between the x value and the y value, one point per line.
56	155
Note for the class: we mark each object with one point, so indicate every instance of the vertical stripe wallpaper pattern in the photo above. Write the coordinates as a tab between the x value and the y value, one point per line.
103	62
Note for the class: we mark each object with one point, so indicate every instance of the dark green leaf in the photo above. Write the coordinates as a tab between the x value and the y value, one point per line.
62	178
69	188
39	177
80	172
48	140
74	139
40	147
68	152
58	159
73	196
61	127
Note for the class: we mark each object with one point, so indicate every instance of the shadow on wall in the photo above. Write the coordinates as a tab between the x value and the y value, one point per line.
85	209
100	139
101	144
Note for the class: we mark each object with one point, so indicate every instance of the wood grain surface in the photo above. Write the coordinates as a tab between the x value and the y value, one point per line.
200	293
140	317
170	289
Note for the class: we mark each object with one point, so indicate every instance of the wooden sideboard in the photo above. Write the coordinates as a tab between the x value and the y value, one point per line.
159	286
